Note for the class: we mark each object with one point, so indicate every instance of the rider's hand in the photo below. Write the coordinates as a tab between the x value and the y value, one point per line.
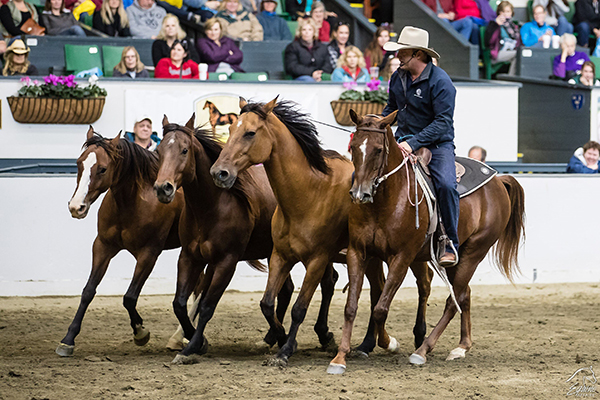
405	146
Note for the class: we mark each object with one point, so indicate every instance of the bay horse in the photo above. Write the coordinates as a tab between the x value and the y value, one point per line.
382	226
217	118
218	227
311	221
129	218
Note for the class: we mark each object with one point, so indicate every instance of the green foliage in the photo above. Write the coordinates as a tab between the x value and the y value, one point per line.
60	87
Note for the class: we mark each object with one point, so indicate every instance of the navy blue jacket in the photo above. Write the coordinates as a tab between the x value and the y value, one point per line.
576	166
426	109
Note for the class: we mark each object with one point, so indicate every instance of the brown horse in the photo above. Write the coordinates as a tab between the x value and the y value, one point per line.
382	225
217	118
311	221
129	218
219	227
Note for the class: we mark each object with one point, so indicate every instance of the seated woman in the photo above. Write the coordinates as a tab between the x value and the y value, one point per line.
238	24
13	15
112	19
130	65
16	60
177	66
317	13
503	38
218	51
59	21
351	67
585	160
587	77
375	55
170	31
306	58
339	42
274	27
391	67
142	134
569	62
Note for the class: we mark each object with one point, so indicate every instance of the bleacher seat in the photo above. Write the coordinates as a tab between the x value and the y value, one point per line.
111	56
249	76
82	57
488	68
596	61
217	76
292	25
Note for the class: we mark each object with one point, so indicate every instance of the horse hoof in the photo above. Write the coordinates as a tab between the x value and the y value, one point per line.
458	352
394	346
336	369
416	359
175	345
65	350
358	354
142	337
280	362
180	359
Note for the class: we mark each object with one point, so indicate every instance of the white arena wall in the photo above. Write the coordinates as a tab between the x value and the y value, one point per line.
43	251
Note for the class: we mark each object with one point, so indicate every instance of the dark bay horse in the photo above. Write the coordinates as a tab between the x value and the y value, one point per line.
311	221
129	218
217	118
382	225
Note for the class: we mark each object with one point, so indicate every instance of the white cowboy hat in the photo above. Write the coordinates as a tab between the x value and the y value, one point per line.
412	38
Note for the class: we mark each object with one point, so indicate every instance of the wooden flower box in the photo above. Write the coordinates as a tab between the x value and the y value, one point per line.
45	110
341	108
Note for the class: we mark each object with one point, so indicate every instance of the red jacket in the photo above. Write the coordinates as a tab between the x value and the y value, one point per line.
446	5
166	69
324	32
466	8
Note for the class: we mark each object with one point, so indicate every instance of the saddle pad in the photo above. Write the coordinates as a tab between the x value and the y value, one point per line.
476	174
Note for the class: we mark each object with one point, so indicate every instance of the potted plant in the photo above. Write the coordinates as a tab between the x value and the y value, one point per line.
370	101
58	100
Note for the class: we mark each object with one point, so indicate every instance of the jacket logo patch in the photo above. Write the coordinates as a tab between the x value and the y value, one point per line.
418	94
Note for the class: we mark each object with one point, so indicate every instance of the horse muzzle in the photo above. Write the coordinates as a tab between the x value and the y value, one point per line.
165	192
78	211
223	178
361	196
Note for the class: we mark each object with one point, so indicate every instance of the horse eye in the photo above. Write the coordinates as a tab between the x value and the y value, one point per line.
101	170
377	151
184	151
249	134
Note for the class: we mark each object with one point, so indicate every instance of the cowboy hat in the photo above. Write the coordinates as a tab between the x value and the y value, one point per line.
18	47
412	38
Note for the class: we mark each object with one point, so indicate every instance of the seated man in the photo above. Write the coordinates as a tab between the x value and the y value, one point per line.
145	19
477	153
585	160
532	33
142	134
586	20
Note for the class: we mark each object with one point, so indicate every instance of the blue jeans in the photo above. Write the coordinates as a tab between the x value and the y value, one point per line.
75	30
443	174
463	26
563	26
583	30
305	78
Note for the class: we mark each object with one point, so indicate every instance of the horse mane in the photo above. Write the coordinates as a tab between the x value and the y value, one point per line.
302	129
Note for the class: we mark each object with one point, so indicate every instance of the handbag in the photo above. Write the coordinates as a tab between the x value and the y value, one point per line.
30	27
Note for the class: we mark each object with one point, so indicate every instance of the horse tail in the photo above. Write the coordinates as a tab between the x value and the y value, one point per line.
257	265
507	249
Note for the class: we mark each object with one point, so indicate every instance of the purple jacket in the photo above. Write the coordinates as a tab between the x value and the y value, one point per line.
212	54
572	63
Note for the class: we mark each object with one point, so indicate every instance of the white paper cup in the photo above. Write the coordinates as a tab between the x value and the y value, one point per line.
203	72
555	42
546	41
374	72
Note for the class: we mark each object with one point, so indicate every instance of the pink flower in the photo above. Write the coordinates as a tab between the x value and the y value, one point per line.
373	85
26	80
350	85
36	82
51	80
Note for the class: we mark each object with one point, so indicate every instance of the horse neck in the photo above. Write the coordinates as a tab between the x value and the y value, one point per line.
124	186
200	190
397	182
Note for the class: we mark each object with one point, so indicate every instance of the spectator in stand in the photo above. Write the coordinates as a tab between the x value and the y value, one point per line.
555	15
445	11
587	77
478	11
477	153
252	6
59	21
296	8
391	67
112	19
569	62
503	38
585	159
170	31
16	60
351	67
142	134
586	20
130	65
274	27
238	24
317	13
218	51
145	19
13	15
306	58
375	55
532	33
339	42
177	65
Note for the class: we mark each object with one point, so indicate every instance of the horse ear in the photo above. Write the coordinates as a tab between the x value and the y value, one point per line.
115	141
389	120
90	133
270	105
190	123
243	102
165	120
354	117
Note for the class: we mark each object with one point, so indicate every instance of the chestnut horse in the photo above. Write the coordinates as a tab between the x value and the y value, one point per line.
129	218
217	118
382	226
311	221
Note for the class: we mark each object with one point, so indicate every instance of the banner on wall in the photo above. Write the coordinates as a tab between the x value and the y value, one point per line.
217	112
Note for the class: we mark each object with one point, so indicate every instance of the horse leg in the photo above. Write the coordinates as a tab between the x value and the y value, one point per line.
101	256
376	278
188	274
222	273
330	277
424	276
279	272
144	266
314	273
283	301
356	274
177	342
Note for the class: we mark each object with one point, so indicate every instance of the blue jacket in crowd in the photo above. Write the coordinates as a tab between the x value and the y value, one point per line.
274	27
531	33
340	75
429	101
576	166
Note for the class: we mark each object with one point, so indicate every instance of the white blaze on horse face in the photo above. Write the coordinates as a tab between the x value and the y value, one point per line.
239	122
171	141
84	182
363	150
